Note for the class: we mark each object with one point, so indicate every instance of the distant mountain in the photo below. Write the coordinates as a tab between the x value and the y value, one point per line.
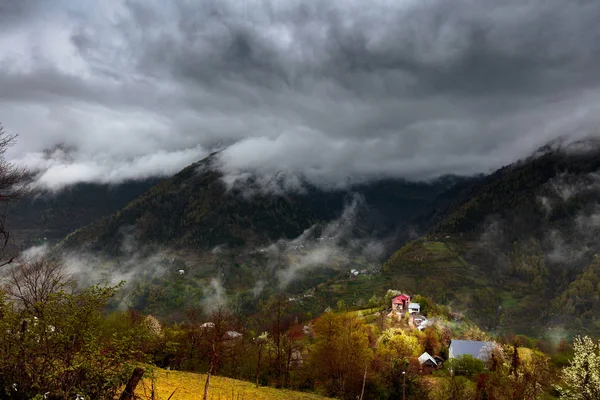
195	209
47	216
248	241
517	249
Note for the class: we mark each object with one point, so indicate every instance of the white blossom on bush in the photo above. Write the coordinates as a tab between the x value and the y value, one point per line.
582	377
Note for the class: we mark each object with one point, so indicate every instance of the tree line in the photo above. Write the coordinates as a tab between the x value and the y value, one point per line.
62	340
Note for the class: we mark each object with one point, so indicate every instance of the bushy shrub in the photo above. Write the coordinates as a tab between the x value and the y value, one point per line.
59	341
465	365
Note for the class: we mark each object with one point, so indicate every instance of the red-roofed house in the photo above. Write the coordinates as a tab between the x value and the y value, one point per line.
400	303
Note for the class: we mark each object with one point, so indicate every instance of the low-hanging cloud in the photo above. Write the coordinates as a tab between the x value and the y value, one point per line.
215	297
335	91
91	269
577	238
137	264
332	246
567	230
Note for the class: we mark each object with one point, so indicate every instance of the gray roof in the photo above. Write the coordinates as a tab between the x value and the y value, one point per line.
480	350
426	356
414	305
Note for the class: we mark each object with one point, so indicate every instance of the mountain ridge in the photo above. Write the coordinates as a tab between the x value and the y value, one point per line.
200	211
50	216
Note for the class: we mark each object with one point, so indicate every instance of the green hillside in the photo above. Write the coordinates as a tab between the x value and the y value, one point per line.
515	249
433	267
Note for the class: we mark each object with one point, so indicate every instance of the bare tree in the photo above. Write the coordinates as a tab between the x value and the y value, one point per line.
31	281
14	185
277	310
260	341
217	333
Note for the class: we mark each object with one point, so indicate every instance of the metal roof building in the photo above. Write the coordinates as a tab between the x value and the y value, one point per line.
480	350
423	358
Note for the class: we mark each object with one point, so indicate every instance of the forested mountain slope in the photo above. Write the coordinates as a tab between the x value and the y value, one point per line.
517	248
196	210
245	240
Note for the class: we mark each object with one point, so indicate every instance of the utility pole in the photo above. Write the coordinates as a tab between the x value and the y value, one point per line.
403	385
364	381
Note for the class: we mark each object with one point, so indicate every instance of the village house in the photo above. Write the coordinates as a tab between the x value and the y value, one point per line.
426	360
414	308
400	302
429	363
477	349
418	319
296	358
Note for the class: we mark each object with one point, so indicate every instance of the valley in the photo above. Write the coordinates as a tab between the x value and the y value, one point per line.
501	268
508	258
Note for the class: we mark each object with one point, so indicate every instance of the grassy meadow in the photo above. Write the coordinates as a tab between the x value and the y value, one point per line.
190	386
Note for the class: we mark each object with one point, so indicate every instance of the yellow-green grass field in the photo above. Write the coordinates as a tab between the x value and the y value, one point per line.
188	386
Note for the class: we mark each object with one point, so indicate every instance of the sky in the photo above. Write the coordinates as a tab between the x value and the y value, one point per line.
331	90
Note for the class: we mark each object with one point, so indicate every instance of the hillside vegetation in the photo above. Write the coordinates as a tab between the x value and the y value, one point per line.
516	250
67	342
565	177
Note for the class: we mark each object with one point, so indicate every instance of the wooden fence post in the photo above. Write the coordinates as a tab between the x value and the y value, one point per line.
132	384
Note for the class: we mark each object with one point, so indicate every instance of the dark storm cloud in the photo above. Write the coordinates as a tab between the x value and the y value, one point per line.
336	90
16	11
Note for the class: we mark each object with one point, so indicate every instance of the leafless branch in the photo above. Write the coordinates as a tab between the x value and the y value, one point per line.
15	184
31	282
